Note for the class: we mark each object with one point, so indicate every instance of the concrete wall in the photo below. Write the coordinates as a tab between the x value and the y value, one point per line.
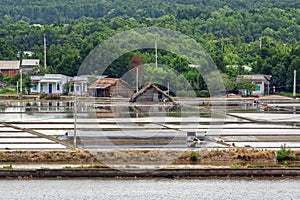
163	173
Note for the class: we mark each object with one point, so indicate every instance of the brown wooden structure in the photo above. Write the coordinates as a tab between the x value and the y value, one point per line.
10	67
150	93
111	87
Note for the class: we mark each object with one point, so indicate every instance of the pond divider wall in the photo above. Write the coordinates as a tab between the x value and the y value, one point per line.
147	173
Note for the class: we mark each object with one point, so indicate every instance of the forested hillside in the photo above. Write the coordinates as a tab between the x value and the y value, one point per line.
52	11
230	30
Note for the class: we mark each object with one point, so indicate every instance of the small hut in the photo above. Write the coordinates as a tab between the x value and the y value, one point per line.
150	93
111	87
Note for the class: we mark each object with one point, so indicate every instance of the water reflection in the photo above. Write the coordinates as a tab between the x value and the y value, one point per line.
154	110
15	110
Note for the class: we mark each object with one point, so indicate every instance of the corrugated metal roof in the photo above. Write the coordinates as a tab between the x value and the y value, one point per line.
9	64
255	77
30	62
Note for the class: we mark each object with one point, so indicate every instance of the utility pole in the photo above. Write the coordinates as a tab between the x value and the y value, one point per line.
156	53
137	78
269	84
17	88
21	78
45	52
21	75
75	122
21	83
294	88
168	88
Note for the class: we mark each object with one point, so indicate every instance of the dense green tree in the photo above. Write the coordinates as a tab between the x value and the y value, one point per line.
6	52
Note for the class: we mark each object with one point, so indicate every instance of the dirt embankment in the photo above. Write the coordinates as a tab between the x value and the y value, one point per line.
241	156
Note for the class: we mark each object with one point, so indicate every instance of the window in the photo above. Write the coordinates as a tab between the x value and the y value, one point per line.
77	88
57	87
258	88
34	87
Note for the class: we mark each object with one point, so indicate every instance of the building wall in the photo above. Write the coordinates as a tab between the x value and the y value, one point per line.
10	72
121	89
53	88
260	88
80	88
151	95
102	92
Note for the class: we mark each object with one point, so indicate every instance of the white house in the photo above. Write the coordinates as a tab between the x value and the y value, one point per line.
80	85
49	83
262	83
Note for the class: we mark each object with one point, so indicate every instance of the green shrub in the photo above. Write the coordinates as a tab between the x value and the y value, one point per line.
203	93
48	97
194	156
235	165
6	91
283	154
285	163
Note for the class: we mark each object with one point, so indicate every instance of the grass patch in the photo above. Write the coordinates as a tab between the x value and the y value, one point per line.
289	94
235	165
7	167
283	154
194	156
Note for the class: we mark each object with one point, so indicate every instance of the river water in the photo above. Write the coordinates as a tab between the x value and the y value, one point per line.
151	189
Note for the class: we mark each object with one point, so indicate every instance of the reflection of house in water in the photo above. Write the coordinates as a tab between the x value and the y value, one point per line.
112	112
38	106
150	93
151	110
154	110
111	87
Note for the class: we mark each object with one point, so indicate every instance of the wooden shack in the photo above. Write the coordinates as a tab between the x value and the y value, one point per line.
150	93
111	87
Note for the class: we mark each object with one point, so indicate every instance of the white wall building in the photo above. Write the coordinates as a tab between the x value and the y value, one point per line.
80	85
49	83
262	82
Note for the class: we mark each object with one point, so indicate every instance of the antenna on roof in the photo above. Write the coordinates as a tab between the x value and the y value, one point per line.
45	61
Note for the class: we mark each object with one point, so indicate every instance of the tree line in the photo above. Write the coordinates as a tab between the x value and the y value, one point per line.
265	39
44	11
